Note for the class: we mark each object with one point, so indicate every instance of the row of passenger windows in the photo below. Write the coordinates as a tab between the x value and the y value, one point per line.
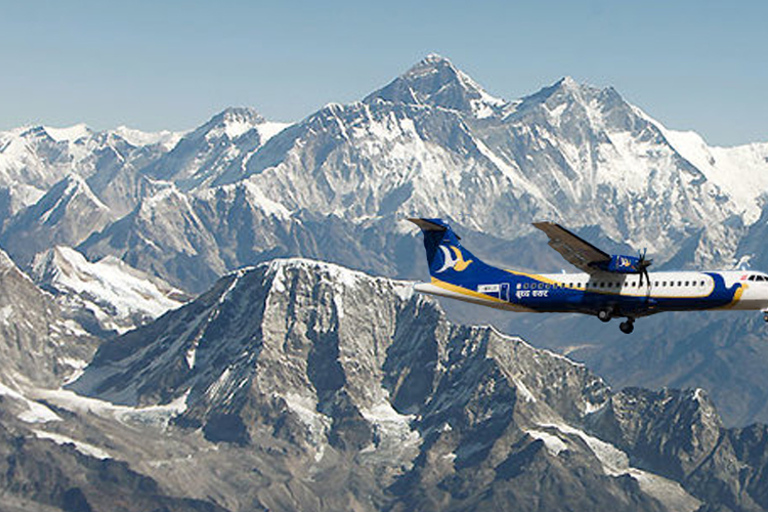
610	284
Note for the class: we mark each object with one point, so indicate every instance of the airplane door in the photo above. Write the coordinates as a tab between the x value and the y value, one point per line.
504	292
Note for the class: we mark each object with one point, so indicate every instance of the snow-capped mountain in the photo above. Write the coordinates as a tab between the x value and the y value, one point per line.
32	159
67	214
104	296
211	150
336	185
434	143
374	398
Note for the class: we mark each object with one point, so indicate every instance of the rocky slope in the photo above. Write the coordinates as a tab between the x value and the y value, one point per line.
38	344
371	399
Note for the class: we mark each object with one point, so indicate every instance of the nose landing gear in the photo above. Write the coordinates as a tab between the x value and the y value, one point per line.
628	326
604	315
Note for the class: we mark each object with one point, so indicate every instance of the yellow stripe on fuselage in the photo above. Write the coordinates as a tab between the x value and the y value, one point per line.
477	297
465	291
736	296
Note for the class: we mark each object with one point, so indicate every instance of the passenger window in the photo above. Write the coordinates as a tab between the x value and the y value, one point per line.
687	283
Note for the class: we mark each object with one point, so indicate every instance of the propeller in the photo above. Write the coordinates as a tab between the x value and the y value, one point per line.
643	265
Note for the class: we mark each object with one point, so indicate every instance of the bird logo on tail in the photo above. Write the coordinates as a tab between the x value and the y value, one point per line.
454	261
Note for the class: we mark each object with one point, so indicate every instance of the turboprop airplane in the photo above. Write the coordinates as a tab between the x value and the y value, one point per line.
610	286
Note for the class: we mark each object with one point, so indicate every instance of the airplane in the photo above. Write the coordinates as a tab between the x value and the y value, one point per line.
610	286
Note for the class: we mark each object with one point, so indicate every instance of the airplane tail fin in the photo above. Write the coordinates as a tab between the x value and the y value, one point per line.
448	260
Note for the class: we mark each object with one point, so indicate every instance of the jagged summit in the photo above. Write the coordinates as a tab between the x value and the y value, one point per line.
564	89
232	122
435	81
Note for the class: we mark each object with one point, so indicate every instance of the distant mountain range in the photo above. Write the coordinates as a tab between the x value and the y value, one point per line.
295	384
188	207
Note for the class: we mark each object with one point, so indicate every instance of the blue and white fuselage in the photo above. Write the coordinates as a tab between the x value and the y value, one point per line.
458	274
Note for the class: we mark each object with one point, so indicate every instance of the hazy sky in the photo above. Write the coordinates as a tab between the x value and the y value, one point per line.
164	64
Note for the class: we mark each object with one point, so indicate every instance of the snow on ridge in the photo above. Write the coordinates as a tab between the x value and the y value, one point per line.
740	171
168	139
111	285
615	462
269	129
84	448
69	133
337	272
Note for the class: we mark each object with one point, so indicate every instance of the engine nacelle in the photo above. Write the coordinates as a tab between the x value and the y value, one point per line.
621	264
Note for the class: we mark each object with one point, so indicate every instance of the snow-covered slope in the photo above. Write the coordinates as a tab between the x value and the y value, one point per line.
740	171
39	345
211	150
107	295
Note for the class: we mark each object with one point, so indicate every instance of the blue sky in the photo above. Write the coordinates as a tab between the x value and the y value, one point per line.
693	65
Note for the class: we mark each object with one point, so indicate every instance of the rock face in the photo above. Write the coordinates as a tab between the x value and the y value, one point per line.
376	401
38	344
40	475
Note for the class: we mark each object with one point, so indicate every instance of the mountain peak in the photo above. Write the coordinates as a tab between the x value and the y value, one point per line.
232	122
70	133
430	64
436	82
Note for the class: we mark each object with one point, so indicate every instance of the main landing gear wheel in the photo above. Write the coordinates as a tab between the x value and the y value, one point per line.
628	326
604	315
765	316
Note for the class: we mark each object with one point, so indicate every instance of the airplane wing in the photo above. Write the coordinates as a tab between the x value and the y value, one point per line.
574	249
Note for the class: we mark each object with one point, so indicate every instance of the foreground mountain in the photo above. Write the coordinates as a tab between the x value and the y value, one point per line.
360	395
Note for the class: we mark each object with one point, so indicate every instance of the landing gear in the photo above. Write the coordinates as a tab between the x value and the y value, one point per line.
628	326
604	315
765	316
